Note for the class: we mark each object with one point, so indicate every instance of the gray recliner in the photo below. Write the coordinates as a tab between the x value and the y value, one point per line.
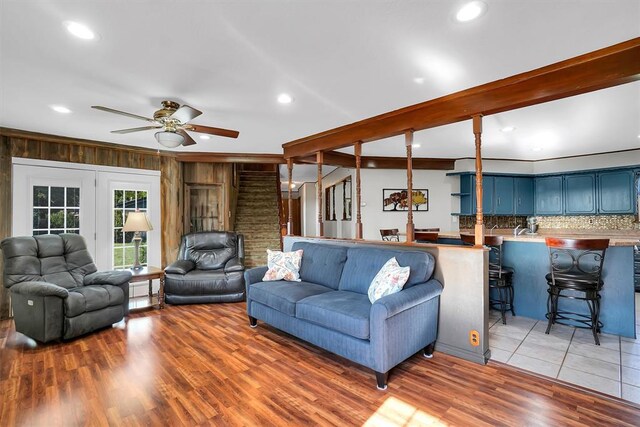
210	268
56	289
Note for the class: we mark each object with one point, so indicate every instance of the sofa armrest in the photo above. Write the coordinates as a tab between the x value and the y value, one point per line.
393	304
234	264
43	289
113	277
254	275
181	266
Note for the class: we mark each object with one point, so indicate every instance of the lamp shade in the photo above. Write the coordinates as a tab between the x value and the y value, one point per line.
137	221
169	139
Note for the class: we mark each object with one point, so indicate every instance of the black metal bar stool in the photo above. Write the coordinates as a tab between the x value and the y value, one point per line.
500	276
576	274
390	234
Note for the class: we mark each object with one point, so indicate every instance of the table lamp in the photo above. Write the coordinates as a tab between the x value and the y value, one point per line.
137	222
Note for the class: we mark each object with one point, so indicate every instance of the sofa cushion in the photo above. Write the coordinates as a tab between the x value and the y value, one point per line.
321	264
92	298
204	282
283	266
342	311
283	296
363	263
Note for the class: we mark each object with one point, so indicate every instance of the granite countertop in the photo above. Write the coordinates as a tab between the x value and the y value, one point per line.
616	237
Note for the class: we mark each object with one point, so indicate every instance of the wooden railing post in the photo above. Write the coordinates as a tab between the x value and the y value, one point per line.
358	154
408	141
290	199
479	228
319	160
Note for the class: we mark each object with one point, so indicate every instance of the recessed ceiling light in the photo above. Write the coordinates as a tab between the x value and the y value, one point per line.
60	109
79	30
508	129
419	80
293	186
285	98
416	145
471	11
205	137
638	136
536	149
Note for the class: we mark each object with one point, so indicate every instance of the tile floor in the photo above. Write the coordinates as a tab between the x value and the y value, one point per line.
569	354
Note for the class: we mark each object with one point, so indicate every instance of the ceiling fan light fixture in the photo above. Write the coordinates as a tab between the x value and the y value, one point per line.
169	139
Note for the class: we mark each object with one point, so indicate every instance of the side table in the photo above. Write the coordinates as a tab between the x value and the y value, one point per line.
150	273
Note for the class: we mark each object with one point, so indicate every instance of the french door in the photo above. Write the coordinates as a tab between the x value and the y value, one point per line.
53	200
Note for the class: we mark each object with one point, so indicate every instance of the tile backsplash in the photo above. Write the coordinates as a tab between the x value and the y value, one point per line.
586	222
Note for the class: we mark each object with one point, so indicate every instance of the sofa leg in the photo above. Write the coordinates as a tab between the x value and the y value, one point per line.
381	378
253	322
428	350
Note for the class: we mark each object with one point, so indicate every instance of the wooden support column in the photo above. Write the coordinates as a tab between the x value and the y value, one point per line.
290	200
319	160
408	141
479	229
358	154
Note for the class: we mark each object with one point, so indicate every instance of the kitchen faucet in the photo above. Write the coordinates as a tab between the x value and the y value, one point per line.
516	232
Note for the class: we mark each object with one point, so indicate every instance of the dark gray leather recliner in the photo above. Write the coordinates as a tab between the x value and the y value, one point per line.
210	268
56	289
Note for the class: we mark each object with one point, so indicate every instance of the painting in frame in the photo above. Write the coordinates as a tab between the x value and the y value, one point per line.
396	200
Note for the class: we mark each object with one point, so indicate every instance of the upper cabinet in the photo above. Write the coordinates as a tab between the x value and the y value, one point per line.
503	195
524	195
616	192
580	194
548	195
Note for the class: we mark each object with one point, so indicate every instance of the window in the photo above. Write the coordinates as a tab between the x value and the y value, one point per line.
56	210
124	202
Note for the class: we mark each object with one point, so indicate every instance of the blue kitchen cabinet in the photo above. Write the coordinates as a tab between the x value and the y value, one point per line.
467	191
580	194
487	195
503	195
616	192
523	195
548	195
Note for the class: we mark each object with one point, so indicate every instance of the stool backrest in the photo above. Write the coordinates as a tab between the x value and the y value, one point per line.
576	256
493	243
424	236
390	234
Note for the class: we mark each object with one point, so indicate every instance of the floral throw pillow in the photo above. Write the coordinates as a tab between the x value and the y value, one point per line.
389	280
283	266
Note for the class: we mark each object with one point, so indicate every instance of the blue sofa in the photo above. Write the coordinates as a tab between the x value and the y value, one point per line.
330	307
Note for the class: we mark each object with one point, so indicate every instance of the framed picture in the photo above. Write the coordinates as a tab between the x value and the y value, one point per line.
397	200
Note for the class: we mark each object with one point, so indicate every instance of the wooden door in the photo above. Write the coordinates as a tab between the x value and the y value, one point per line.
296	228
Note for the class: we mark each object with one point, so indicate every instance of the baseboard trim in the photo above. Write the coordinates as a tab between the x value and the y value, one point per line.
463	353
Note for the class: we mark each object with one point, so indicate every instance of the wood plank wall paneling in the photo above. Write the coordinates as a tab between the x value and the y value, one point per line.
213	173
48	147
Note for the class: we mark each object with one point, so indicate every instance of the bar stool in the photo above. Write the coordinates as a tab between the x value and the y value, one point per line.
576	273
425	236
500	276
390	234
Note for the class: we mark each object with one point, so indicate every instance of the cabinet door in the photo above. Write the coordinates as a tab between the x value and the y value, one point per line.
615	192
524	196
548	195
487	195
503	195
580	194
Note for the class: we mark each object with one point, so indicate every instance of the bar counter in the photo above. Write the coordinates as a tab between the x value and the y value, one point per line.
529	257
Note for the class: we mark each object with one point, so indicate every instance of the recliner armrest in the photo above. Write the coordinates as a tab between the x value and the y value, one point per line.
181	266
234	264
112	277
42	289
390	305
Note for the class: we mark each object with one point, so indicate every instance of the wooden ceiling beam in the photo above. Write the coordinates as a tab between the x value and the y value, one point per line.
189	157
603	68
334	158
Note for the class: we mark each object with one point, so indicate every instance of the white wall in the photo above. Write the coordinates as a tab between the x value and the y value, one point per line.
308	213
441	203
501	166
627	158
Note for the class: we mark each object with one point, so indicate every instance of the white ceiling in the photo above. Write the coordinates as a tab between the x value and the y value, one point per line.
342	61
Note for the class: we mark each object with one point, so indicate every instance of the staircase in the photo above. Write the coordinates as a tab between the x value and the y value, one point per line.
257	215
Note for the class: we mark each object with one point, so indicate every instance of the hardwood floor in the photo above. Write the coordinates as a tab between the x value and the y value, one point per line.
203	365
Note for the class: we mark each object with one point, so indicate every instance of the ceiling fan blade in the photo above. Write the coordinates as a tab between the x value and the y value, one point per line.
214	131
121	131
187	138
185	114
122	113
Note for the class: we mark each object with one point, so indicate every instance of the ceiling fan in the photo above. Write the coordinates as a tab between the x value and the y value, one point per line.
174	120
